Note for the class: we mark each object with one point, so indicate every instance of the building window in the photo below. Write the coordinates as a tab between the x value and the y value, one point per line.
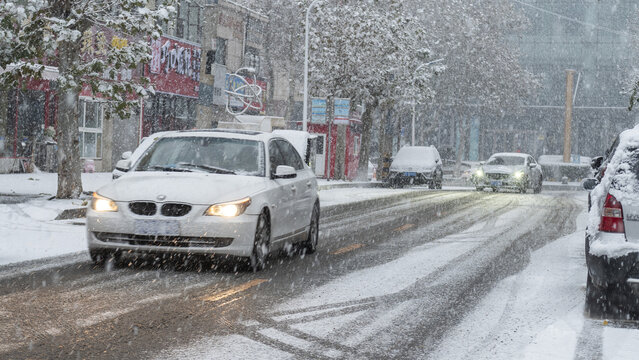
91	116
210	59
220	52
252	58
186	24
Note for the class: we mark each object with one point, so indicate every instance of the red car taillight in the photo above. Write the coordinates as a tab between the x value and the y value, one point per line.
612	216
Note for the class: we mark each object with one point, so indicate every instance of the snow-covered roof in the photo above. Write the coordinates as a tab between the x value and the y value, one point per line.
514	154
229	134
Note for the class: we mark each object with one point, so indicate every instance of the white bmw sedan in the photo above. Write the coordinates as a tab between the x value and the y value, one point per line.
211	192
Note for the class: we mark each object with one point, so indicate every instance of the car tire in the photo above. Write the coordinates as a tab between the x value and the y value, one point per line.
310	245
261	243
479	188
101	257
98	257
537	189
597	302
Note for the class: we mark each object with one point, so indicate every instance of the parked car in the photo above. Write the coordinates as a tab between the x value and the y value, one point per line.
238	193
415	165
514	171
612	235
129	158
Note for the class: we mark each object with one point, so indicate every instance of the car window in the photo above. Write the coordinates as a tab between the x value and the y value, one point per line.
290	155
506	160
275	156
205	154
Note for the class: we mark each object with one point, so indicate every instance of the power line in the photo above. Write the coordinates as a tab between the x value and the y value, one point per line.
577	21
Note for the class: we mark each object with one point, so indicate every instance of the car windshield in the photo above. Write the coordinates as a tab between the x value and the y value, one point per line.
505	160
205	154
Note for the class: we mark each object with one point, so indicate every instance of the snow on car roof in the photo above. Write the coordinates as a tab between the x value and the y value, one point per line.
224	133
524	155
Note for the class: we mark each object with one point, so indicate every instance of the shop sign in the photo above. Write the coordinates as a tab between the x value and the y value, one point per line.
219	85
175	67
318	111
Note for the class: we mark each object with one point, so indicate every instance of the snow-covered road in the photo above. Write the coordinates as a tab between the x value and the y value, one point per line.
437	275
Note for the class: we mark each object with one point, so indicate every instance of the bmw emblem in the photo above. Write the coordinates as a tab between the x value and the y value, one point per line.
161	197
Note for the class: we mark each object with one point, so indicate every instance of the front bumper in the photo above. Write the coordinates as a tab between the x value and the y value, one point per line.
196	233
412	177
509	182
605	271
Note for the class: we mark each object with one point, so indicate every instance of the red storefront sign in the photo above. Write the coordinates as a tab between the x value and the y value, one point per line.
175	67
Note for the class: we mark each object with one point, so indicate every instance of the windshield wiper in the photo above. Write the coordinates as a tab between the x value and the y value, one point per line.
208	168
169	168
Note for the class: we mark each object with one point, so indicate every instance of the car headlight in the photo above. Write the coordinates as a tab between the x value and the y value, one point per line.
479	173
102	204
229	209
518	175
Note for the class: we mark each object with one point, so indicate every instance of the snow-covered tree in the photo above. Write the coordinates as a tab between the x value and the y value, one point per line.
93	43
482	69
371	52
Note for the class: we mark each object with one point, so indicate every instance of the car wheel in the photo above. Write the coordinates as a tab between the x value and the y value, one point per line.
597	303
479	188
101	257
261	243
537	188
494	189
310	245
98	257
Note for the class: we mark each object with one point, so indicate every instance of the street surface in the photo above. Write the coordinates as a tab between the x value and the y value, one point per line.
440	275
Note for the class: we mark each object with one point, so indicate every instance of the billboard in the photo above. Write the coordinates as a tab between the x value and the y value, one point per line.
175	67
318	111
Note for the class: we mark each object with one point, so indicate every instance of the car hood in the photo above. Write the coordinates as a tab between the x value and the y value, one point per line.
501	169
192	188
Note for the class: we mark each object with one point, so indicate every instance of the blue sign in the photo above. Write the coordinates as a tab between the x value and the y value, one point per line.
318	111
342	108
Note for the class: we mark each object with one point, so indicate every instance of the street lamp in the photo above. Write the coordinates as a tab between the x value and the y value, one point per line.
413	103
305	113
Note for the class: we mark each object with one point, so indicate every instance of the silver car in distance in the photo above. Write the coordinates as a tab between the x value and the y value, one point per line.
212	192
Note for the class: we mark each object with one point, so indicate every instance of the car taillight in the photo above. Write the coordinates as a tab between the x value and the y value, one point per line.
612	216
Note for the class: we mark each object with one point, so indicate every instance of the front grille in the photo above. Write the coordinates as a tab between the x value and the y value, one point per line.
143	208
175	209
498	176
176	241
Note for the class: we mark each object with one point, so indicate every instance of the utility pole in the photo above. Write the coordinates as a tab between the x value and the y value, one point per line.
570	74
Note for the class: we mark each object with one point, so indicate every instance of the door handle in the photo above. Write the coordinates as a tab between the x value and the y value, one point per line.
309	184
293	189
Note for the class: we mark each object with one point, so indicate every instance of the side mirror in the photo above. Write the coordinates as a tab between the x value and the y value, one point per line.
436	161
123	165
532	165
590	183
481	163
284	172
595	163
126	155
